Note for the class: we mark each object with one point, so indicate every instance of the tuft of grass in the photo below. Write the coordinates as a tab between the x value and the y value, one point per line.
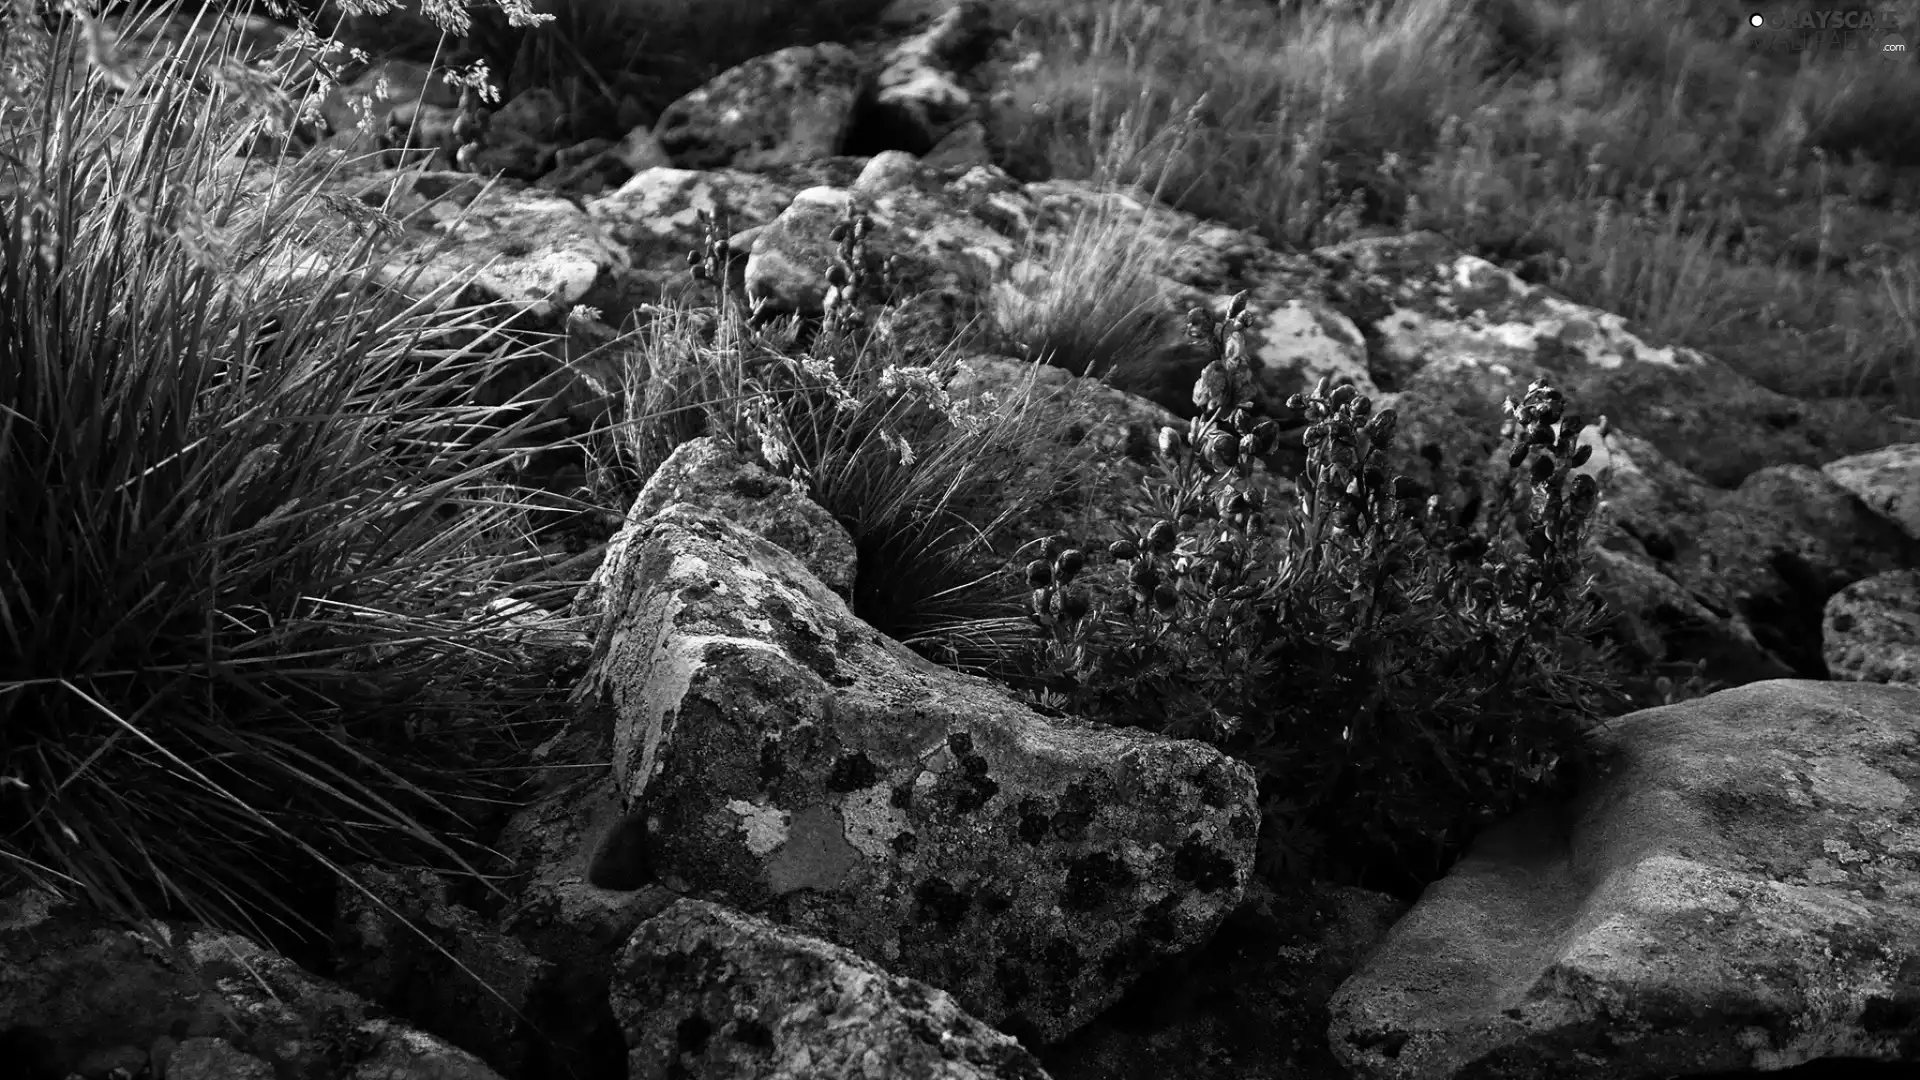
1091	302
254	517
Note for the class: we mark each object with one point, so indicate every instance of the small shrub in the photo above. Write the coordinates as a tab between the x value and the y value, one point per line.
1386	664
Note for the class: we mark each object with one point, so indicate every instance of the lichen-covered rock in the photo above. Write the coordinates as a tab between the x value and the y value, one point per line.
780	756
1872	629
75	984
782	108
707	993
1736	887
1887	480
709	474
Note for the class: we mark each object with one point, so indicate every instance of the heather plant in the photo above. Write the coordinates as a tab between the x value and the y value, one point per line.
1390	661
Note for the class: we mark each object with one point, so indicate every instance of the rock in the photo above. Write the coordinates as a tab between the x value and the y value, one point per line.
715	477
208	1003
1887	480
919	96
1420	300
964	147
537	252
782	108
1872	629
775	754
706	992
1734	888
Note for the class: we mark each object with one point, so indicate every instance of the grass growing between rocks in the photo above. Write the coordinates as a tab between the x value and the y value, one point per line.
255	522
930	488
1640	157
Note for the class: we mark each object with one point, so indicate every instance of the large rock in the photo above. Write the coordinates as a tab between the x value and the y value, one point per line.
707	993
779	109
1872	629
1888	480
777	755
1736	887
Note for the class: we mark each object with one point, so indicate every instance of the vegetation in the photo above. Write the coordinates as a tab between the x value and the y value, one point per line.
260	513
1406	663
1641	156
256	517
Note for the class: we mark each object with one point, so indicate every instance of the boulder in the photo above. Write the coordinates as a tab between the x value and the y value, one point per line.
708	993
1887	480
1737	886
782	108
1872	629
775	754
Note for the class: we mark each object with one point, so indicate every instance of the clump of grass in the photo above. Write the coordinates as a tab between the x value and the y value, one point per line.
855	411
1091	300
252	517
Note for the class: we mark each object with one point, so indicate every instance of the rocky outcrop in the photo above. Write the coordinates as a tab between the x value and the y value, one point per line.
1736	887
774	753
703	991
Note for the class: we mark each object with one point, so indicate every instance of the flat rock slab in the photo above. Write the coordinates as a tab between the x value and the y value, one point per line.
1737	887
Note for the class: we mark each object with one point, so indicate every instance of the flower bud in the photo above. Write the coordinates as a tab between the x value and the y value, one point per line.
1123	549
1165	599
1163	536
1341	395
1039	573
1051	547
1070	563
1581	454
1169	441
1221	448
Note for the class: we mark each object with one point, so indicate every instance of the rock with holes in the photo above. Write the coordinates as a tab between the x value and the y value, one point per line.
1736	887
782	108
1887	480
1872	629
778	755
707	473
708	993
83	995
